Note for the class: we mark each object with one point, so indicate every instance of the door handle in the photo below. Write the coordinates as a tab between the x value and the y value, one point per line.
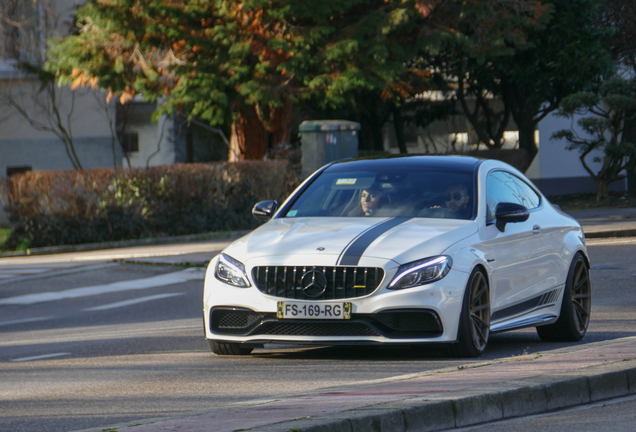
536	229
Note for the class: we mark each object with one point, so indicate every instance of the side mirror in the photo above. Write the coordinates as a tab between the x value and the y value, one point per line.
510	213
264	210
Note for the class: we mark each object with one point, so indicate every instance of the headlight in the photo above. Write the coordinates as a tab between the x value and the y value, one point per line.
231	272
421	272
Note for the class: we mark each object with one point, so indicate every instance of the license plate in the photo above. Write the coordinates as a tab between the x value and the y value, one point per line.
294	310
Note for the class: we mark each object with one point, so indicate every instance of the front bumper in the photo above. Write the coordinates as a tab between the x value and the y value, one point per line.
391	324
424	314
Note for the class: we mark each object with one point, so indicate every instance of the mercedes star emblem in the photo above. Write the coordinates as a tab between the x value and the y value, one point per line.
314	283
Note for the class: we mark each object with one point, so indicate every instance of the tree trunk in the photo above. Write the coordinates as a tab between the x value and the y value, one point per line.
523	113
629	135
371	137
248	139
253	127
603	186
376	133
526	141
281	128
398	124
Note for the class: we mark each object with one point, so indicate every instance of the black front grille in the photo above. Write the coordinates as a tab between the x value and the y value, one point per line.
291	328
341	282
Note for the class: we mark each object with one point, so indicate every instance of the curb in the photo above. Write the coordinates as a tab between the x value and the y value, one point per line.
610	233
155	262
506	400
125	243
498	401
211	236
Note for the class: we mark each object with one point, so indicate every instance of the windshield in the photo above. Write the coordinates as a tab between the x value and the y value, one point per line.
398	192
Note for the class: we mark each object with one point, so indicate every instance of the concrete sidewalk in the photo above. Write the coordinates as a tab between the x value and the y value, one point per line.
435	400
604	223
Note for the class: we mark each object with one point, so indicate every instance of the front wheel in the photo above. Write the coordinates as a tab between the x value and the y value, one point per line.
228	348
474	322
575	307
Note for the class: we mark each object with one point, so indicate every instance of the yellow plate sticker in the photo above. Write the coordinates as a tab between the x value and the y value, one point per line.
347	310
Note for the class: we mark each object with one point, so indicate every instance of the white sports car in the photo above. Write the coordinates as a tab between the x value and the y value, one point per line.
401	250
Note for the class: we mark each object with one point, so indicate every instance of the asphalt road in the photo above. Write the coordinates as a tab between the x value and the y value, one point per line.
98	349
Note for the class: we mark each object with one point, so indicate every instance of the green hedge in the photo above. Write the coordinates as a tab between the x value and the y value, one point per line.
49	208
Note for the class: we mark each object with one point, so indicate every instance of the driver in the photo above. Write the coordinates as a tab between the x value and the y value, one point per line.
457	199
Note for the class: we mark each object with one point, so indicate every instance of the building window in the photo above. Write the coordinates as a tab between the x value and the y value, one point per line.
130	142
20	32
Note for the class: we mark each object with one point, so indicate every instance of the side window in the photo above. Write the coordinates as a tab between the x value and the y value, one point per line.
505	187
529	197
501	188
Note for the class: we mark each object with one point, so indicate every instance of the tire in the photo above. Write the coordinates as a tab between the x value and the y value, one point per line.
575	307
228	348
474	321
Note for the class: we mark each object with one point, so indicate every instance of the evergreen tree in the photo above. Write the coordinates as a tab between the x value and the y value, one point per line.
246	63
605	115
561	58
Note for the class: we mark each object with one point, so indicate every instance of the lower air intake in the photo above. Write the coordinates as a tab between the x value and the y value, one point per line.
315	329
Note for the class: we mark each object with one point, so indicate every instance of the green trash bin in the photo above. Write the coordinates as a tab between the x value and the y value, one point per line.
324	141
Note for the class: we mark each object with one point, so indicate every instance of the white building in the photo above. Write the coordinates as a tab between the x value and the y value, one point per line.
555	170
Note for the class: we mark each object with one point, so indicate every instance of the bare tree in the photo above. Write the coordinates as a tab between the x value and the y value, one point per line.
29	90
117	117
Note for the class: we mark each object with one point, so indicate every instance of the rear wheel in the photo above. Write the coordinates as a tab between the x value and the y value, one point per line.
575	307
228	348
474	322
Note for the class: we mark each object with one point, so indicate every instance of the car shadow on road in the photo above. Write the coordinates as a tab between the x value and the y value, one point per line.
501	345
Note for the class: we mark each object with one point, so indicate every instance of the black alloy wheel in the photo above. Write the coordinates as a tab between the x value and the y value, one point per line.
474	323
575	308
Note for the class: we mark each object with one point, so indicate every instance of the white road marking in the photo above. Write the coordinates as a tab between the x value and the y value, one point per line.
151	282
40	357
132	302
23	270
209	248
105	332
26	320
52	271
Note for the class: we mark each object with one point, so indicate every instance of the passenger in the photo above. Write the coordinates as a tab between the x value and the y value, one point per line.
371	200
457	199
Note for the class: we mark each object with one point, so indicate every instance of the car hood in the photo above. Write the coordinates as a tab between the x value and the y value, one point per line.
349	241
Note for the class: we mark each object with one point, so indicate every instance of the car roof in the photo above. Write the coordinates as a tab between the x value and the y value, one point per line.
450	163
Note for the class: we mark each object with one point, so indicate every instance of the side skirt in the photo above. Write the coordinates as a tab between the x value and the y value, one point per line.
538	310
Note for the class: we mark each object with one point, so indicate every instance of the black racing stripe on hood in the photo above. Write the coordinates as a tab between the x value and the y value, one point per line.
354	250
